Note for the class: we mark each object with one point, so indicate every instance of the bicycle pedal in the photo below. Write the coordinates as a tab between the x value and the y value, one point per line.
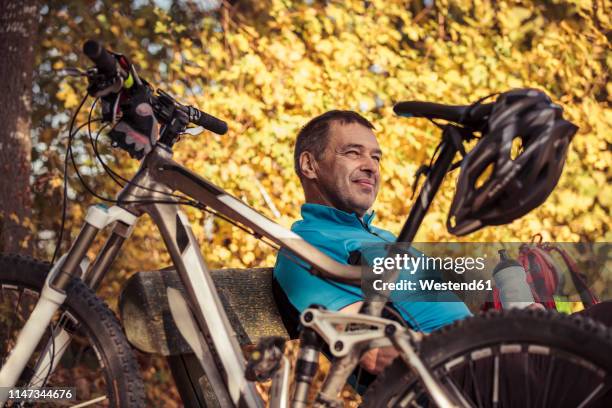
265	359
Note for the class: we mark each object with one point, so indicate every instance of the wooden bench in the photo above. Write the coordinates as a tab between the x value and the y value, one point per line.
143	306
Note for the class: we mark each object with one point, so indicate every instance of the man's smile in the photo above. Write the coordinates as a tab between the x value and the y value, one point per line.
364	182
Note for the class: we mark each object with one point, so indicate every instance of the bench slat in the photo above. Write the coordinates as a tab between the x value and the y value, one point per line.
245	293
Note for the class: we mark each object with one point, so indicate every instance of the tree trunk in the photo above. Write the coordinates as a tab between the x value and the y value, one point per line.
18	26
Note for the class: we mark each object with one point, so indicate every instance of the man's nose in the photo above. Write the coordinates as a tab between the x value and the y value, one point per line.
369	165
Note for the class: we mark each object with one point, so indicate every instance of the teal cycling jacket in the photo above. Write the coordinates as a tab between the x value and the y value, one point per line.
340	235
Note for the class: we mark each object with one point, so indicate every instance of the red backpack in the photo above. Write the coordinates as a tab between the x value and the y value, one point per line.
544	276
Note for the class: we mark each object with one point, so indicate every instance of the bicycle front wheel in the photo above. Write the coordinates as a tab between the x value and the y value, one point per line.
97	361
518	358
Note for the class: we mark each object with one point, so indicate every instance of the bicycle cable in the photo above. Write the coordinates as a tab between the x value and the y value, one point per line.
114	175
94	147
65	192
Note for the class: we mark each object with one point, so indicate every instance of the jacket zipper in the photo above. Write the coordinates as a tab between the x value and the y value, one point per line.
365	226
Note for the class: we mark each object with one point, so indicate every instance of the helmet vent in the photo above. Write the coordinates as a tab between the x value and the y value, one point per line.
484	176
517	147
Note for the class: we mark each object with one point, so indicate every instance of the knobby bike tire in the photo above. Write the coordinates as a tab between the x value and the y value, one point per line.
579	346
121	371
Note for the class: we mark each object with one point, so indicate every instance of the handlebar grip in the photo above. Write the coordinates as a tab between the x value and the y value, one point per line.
453	113
104	60
429	110
216	125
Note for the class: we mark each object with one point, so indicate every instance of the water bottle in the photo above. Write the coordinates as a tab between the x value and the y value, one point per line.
511	280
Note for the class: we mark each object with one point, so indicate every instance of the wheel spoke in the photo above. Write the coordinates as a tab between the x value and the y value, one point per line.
53	350
475	384
527	379
90	402
591	396
495	391
464	399
548	380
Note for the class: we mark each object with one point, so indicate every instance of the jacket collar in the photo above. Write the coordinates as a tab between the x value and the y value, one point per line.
317	212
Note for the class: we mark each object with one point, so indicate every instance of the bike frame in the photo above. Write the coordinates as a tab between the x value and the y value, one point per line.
223	363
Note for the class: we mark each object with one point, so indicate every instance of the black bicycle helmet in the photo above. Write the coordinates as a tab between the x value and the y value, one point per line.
517	185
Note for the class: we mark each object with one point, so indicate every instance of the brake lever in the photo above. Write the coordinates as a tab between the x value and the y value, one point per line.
100	85
71	71
194	131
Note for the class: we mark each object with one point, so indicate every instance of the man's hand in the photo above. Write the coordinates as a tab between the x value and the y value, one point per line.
377	359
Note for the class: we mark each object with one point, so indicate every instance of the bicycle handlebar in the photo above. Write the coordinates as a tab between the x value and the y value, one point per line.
108	66
470	115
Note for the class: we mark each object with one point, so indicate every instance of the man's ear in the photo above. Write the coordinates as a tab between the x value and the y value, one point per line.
308	165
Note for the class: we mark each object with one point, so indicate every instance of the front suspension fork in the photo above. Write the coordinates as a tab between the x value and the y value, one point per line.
58	343
53	296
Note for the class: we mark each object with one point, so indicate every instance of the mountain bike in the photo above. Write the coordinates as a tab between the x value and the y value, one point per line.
57	332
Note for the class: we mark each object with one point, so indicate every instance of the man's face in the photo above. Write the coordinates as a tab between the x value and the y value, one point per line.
349	171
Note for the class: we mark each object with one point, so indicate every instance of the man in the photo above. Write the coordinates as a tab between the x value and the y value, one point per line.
337	159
